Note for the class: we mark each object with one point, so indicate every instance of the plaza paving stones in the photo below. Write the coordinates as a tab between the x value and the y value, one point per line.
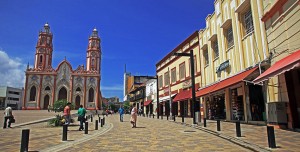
150	135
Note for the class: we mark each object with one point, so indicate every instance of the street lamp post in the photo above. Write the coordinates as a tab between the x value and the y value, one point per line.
191	55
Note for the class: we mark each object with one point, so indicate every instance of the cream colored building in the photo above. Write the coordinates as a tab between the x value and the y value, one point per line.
282	24
174	78
233	50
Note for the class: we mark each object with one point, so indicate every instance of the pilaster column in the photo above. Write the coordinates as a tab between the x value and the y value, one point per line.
71	89
53	90
25	92
97	93
39	94
84	92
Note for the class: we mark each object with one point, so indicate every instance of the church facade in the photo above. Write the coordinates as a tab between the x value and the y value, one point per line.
44	84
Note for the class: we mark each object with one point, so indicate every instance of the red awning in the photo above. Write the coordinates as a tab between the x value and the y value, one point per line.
184	95
225	83
290	62
146	103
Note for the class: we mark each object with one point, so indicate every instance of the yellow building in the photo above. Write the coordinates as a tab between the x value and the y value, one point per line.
233	49
174	78
282	22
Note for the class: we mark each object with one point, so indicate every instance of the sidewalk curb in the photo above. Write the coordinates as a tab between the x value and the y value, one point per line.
65	145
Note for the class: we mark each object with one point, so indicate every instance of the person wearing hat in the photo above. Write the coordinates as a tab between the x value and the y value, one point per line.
67	113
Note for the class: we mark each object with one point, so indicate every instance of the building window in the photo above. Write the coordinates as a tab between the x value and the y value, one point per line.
248	25
160	81
167	79
182	71
216	49
229	37
41	59
173	75
91	95
78	89
12	92
205	55
32	93
13	99
47	88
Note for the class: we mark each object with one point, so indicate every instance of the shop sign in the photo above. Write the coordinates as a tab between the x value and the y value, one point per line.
186	84
222	66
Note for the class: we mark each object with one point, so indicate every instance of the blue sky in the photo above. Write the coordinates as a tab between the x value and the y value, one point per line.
137	33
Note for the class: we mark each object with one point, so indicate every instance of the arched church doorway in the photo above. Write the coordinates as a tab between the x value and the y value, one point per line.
62	94
46	102
77	102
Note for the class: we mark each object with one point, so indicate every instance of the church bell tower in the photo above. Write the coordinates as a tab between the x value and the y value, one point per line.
44	48
94	52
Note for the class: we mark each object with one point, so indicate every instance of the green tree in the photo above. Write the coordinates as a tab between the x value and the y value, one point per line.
59	105
126	105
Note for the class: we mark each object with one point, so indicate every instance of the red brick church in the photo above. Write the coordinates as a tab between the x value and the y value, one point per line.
44	84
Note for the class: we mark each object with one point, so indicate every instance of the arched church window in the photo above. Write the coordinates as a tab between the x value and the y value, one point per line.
41	59
32	93
47	88
78	89
93	62
91	95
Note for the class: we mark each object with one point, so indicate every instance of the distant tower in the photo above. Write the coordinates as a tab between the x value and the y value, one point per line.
44	48
94	52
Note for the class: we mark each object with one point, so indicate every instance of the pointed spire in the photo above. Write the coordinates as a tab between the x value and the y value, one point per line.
95	32
27	65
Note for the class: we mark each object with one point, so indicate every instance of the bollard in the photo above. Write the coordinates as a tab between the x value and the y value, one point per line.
238	128
204	122
101	122
24	140
65	133
167	117
161	116
218	125
91	118
182	117
96	125
174	118
271	137
153	116
86	128
99	119
86	118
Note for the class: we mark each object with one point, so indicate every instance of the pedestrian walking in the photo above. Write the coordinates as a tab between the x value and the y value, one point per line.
81	116
121	112
67	113
8	116
133	118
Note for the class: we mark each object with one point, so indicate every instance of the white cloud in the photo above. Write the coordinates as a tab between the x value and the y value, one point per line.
11	71
112	88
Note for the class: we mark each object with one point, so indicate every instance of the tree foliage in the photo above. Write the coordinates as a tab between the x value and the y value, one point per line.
59	105
126	105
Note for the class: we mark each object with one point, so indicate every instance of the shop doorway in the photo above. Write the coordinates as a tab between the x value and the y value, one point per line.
216	107
167	107
257	104
292	79
46	102
184	108
77	102
175	108
237	105
151	108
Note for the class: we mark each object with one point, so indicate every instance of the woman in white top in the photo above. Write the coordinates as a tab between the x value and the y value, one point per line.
133	118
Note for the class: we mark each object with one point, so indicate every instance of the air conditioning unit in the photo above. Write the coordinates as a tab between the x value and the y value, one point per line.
277	113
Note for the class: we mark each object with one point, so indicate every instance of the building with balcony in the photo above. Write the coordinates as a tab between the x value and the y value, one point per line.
233	52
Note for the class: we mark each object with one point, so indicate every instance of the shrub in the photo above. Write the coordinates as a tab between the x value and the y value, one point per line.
57	121
59	105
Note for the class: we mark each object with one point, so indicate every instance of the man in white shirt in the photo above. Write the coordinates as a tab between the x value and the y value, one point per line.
7	116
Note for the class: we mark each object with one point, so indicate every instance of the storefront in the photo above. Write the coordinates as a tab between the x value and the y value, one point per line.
228	98
164	104
183	103
216	107
148	107
286	75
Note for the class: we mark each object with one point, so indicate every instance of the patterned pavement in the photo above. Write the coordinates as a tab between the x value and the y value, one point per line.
151	135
